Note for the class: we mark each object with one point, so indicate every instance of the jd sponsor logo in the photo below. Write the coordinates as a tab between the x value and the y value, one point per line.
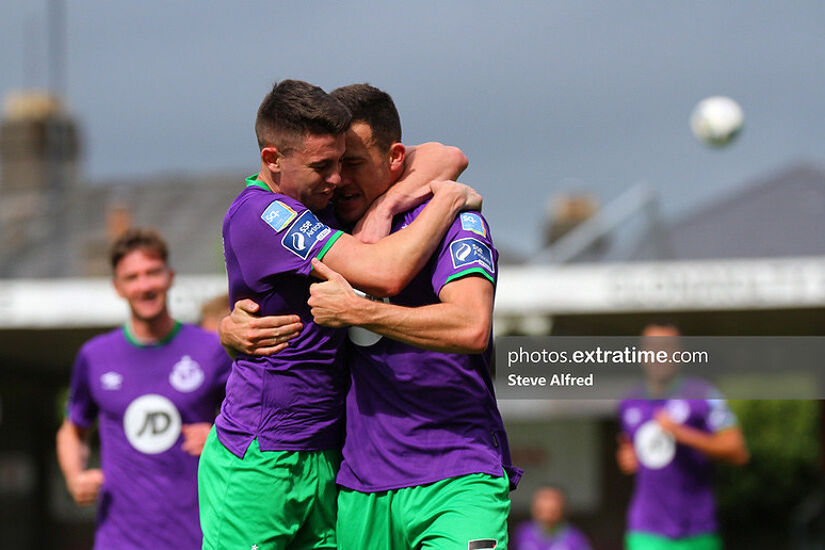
152	424
654	446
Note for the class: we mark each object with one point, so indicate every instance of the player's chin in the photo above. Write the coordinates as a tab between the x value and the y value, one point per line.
319	202
148	312
349	211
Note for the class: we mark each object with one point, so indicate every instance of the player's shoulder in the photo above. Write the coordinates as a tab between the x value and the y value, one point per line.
469	221
576	533
407	217
525	529
256	200
102	343
473	222
196	334
699	388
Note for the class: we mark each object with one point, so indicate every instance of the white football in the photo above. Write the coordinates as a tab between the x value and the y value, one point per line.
716	121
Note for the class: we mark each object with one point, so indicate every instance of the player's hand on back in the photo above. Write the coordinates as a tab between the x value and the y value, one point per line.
470	198
194	437
333	301
248	333
85	486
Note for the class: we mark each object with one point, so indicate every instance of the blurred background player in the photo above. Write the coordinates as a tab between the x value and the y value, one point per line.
153	386
669	442
549	529
212	311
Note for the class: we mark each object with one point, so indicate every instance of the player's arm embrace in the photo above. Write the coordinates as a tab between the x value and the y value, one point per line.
424	163
460	323
243	331
386	267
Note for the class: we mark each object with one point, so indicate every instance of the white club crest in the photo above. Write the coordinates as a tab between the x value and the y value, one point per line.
678	409
632	416
187	375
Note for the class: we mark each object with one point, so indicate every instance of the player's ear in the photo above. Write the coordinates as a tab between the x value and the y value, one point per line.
271	157
396	155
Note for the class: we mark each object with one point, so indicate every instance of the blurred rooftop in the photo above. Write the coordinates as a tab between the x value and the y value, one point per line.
779	215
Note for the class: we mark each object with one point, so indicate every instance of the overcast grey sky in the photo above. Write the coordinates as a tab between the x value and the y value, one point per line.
542	96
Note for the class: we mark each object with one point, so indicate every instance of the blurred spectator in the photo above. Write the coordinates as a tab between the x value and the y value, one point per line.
549	530
213	311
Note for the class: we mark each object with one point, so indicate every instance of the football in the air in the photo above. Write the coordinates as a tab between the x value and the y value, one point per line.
716	121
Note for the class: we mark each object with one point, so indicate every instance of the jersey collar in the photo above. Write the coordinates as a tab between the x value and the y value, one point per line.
253	181
132	339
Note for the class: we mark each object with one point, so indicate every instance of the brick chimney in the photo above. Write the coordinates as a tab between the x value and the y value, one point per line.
39	165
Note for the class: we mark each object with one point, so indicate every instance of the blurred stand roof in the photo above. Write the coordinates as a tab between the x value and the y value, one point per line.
780	215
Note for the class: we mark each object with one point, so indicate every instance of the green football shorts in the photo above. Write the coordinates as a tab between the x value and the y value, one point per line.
465	512
268	500
636	540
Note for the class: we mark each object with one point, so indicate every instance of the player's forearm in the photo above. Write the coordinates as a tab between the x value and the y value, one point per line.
72	450
424	163
441	327
386	267
727	445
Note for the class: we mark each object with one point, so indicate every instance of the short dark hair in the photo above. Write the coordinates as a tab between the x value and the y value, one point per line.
138	238
294	109
374	107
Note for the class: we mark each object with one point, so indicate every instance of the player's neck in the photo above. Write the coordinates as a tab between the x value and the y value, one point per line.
151	330
553	528
662	388
265	177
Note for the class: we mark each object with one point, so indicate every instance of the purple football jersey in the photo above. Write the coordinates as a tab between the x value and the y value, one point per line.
533	536
416	416
293	400
141	395
673	494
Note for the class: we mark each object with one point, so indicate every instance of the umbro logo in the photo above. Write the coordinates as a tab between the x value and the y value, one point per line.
111	380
